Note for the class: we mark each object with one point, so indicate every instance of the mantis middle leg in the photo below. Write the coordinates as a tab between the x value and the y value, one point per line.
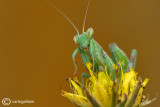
84	75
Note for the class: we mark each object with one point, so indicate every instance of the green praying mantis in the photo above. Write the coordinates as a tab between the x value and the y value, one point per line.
91	51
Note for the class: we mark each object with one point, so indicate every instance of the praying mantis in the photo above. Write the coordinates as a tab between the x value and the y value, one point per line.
92	51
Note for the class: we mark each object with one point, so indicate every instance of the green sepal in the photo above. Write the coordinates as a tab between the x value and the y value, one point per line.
114	94
91	98
123	102
132	61
133	58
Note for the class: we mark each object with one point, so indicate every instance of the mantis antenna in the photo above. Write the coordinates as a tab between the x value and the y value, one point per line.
62	15
85	16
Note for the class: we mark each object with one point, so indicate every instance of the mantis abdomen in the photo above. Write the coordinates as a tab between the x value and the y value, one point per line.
100	56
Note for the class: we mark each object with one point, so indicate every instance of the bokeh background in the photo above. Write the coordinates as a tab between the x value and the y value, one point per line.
36	44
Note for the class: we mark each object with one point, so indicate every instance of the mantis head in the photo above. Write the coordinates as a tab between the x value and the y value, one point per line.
84	39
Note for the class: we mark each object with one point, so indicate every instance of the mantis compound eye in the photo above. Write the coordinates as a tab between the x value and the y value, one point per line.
90	32
75	39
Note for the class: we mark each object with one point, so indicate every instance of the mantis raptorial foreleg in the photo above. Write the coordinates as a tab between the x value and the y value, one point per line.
85	57
95	52
84	75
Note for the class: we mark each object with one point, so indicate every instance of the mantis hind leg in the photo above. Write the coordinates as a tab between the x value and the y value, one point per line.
84	75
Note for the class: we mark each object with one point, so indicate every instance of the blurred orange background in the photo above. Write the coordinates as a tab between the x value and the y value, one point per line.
36	44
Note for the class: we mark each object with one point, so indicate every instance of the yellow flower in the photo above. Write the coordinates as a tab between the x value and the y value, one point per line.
101	91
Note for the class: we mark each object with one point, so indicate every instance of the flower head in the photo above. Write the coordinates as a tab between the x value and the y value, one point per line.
101	91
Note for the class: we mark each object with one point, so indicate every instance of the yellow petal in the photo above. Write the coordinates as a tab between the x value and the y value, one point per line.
92	78
127	79
120	89
101	94
81	101
76	88
105	81
145	82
